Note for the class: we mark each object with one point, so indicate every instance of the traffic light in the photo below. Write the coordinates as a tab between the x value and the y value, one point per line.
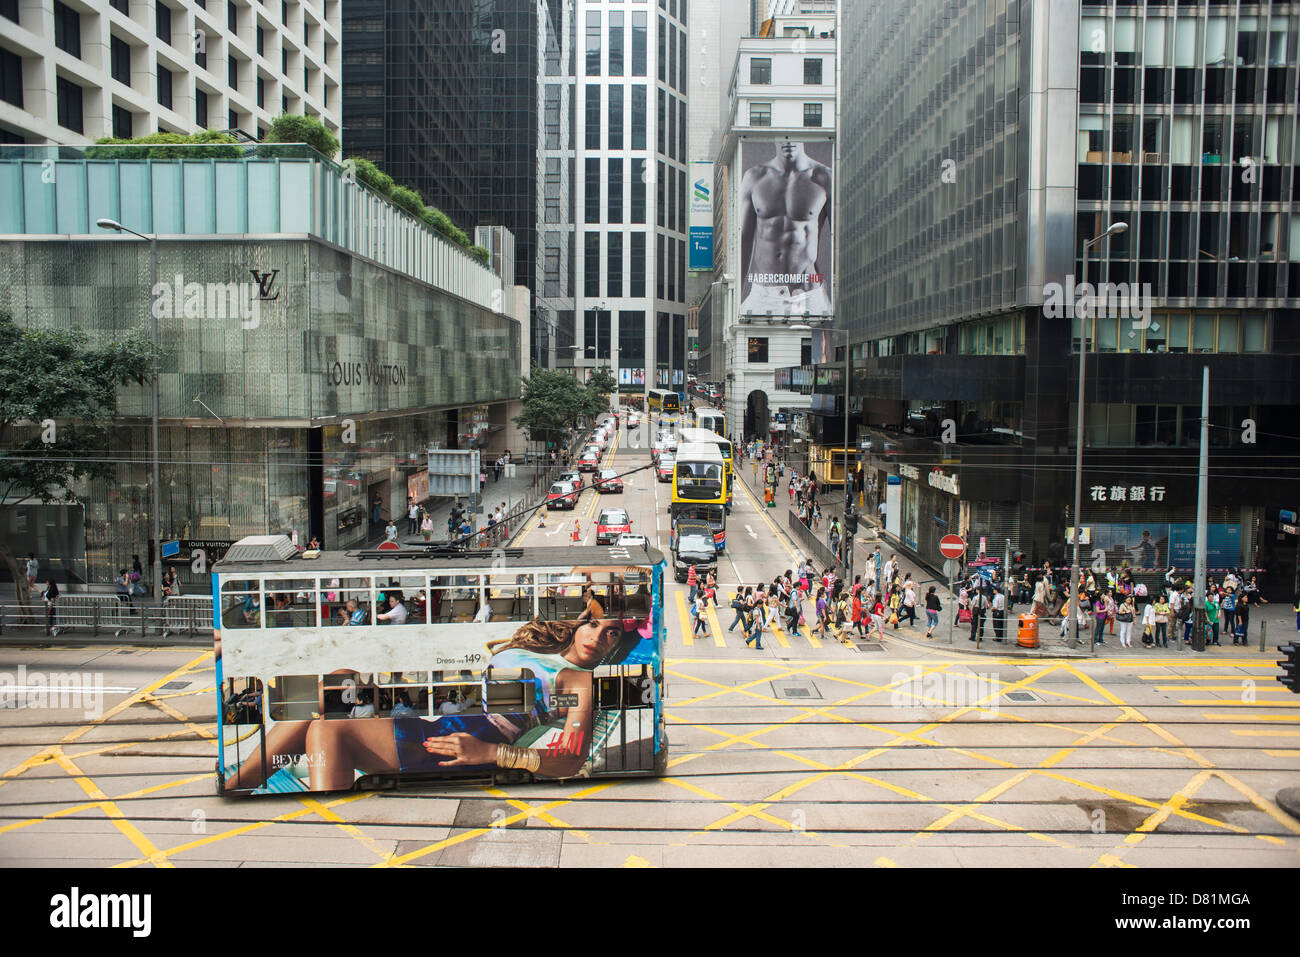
1290	676
851	522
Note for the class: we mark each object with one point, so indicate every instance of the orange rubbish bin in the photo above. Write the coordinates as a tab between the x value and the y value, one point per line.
1027	636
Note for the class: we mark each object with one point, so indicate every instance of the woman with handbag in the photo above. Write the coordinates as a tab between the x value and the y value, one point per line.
1124	615
932	609
1148	623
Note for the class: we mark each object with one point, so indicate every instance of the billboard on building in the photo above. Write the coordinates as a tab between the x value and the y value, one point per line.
701	219
785	228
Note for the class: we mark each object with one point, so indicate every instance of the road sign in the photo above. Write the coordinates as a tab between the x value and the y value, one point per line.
171	548
951	568
389	546
952	546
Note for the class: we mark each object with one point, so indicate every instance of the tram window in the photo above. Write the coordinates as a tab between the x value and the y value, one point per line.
242	701
510	691
293	697
347	695
453	698
412	594
455	597
560	597
628	687
403	693
290	604
636	595
241	610
511	597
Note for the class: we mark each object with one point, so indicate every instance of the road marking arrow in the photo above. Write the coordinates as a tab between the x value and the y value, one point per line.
752	533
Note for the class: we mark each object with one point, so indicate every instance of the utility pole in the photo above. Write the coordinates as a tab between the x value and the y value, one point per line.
1202	517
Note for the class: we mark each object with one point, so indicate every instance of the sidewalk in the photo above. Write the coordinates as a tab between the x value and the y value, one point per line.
1280	617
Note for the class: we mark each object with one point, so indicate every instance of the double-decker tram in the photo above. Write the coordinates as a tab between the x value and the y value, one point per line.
700	488
666	404
372	669
723	445
712	420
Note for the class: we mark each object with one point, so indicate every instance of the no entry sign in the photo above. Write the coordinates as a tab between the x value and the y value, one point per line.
952	546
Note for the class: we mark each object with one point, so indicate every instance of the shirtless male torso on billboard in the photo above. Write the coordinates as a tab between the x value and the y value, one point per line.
785	204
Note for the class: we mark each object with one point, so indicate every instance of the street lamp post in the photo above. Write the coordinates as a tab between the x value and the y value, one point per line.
1071	607
846	540
156	505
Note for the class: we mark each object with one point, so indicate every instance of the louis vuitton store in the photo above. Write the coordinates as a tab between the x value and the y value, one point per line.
301	414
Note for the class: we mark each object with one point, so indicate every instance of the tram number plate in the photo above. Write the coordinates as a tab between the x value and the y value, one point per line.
564	700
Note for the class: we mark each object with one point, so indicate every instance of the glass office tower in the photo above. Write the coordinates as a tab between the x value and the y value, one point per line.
982	143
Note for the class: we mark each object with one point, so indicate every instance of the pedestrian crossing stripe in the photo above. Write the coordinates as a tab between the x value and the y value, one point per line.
715	626
684	617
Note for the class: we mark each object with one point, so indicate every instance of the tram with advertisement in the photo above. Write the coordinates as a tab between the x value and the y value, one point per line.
723	445
373	669
700	489
666	404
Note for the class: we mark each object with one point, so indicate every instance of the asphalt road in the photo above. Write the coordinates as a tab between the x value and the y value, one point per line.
809	752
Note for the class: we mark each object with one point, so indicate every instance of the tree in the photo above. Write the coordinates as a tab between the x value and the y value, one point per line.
552	402
293	128
600	385
55	386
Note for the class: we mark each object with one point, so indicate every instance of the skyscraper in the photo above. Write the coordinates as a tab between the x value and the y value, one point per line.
983	144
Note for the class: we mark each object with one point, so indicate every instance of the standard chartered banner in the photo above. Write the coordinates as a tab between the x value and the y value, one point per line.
701	221
785	227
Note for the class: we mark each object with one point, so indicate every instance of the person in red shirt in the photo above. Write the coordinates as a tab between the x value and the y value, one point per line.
692	582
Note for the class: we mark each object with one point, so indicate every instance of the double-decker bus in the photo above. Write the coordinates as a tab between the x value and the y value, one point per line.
712	420
723	445
666	404
371	669
700	488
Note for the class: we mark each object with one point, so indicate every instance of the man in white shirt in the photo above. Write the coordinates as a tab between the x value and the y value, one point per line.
363	708
412	516
999	614
451	705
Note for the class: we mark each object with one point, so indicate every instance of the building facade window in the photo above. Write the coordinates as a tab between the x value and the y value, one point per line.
591	199
163	22
639	116
615	116
615	43
591	265
760	114
614	267
593	116
67	30
11	78
593	43
638	43
164	87
120	55
232	74
757	349
201	109
760	71
122	125
812	114
68	95
636	266
812	71
637	212
615	204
